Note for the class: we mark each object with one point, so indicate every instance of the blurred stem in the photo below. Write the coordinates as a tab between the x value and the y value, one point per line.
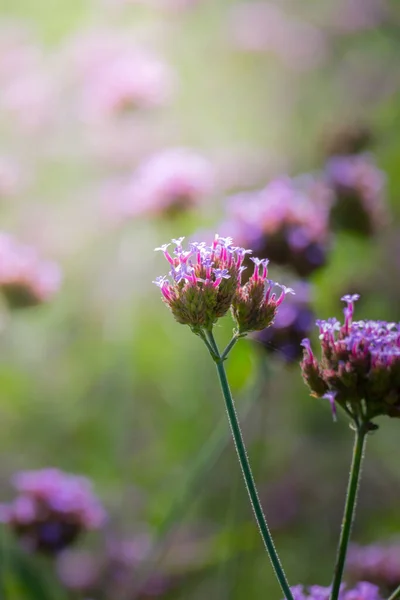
350	505
205	459
396	594
247	473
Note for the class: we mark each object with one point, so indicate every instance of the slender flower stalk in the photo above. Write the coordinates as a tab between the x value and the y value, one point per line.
396	594
349	510
246	469
205	283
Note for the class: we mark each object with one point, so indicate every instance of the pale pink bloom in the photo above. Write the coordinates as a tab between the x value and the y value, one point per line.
264	27
135	81
173	179
25	279
115	75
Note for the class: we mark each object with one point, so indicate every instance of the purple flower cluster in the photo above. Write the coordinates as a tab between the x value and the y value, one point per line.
52	509
359	367
362	591
206	283
359	193
293	322
377	563
287	221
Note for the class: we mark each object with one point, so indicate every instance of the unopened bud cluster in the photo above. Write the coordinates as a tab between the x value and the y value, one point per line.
206	282
359	367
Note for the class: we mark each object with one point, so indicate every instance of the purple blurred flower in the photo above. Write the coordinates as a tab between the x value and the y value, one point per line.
113	572
359	365
52	509
362	591
377	563
25	279
359	193
292	323
287	221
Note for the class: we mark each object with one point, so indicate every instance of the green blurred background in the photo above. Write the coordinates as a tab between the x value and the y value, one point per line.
101	381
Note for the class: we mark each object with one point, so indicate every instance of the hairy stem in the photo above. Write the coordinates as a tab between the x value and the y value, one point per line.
349	509
396	594
247	473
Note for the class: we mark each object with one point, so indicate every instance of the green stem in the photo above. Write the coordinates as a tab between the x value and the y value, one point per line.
229	347
248	476
396	594
349	509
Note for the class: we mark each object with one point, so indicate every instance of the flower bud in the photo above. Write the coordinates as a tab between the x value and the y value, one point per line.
254	306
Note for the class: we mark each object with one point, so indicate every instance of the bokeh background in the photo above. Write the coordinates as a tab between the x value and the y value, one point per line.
98	379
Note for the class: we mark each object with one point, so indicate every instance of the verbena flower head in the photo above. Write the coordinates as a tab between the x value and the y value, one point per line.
287	222
377	563
25	279
359	193
52	509
205	282
362	591
294	321
255	304
359	368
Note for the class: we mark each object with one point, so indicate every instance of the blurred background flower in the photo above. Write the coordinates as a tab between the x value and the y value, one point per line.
125	123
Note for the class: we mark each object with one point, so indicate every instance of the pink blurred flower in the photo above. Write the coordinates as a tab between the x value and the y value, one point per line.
115	76
168	182
132	82
259	26
25	279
